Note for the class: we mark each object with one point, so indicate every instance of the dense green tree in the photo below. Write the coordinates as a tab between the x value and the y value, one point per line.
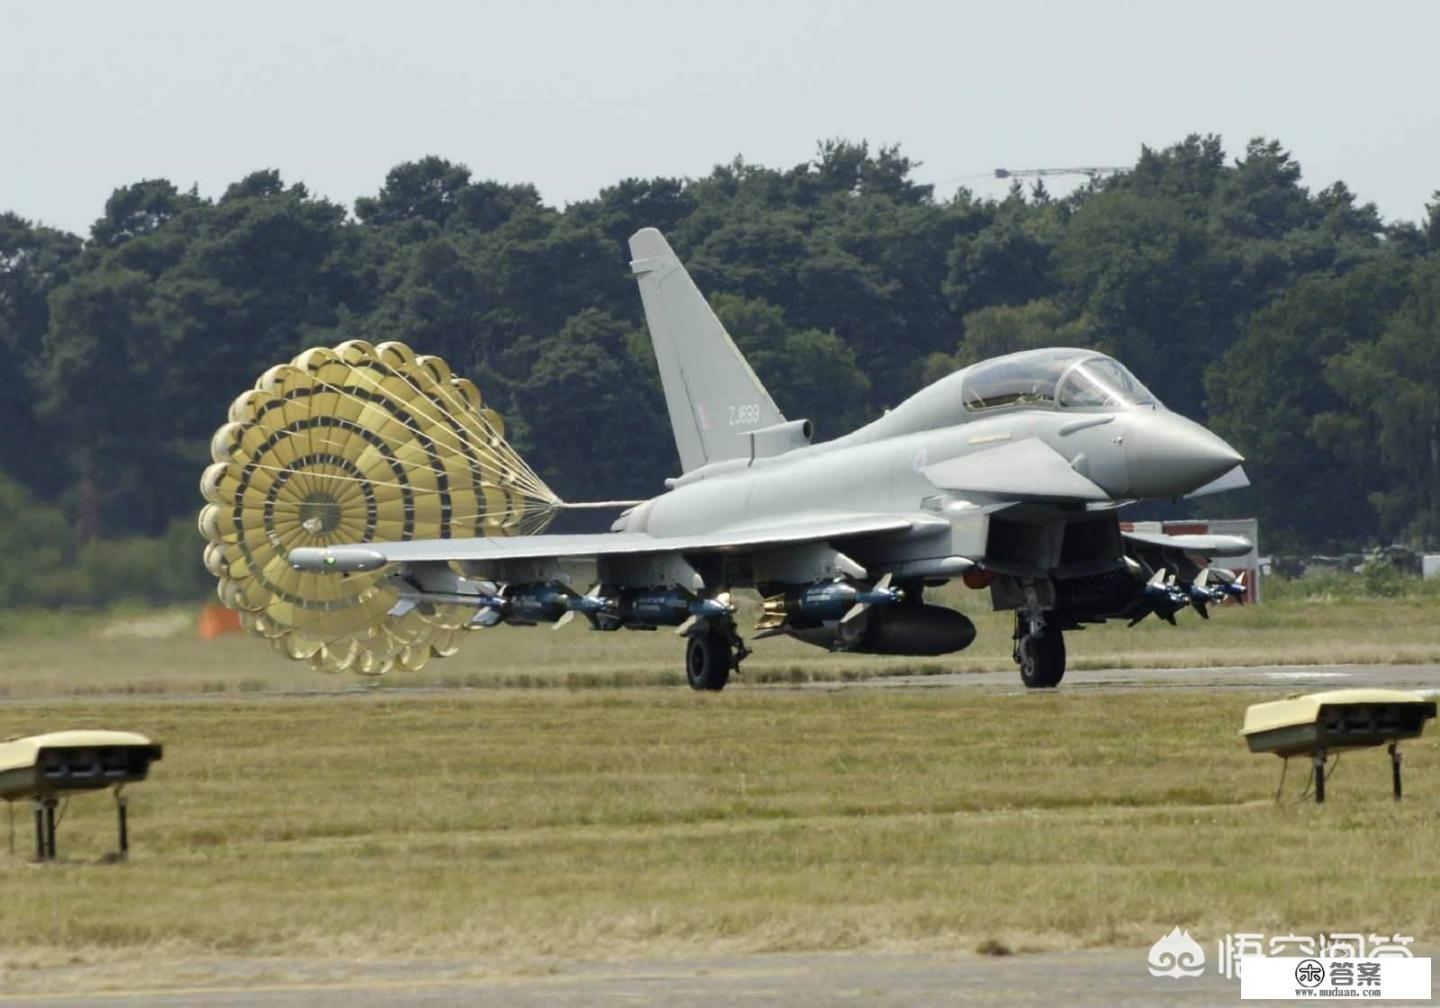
1308	451
34	261
141	209
632	204
1150	284
1395	381
435	297
33	540
1189	172
810	374
1292	318
593	420
1008	263
138	368
106	393
424	190
1004	329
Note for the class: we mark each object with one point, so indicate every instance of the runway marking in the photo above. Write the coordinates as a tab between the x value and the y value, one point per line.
1309	675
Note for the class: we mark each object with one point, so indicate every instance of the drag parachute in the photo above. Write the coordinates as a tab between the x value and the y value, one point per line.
356	444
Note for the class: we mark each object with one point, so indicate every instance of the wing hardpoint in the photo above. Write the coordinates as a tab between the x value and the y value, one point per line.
710	391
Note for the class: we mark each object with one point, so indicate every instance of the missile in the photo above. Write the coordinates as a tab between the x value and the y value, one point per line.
824	601
646	608
536	603
1225	581
881	594
1165	597
592	604
1202	596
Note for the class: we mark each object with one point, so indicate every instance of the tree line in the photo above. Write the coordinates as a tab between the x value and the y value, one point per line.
1297	323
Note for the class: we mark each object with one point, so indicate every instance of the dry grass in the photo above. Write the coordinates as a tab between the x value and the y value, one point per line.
506	826
509	826
149	653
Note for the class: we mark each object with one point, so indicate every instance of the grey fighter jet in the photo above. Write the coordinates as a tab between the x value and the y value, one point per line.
1007	473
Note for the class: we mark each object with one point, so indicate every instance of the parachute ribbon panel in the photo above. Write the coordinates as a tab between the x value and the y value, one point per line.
356	444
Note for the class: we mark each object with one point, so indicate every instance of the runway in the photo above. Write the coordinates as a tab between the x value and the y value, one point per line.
1109	977
1281	679
1289	678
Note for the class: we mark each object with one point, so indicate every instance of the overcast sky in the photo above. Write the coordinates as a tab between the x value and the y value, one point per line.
574	96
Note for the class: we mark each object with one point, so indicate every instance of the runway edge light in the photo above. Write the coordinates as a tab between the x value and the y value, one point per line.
1317	724
43	767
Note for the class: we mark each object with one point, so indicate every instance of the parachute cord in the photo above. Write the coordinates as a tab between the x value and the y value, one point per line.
447	391
548	503
527	482
532	483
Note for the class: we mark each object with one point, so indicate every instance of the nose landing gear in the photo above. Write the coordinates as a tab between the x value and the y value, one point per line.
1039	651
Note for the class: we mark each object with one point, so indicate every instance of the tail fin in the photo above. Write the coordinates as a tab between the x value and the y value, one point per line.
712	395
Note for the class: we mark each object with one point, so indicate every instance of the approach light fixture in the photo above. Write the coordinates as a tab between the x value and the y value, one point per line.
46	767
1318	724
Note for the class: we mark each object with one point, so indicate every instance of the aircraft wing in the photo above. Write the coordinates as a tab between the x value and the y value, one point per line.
800	528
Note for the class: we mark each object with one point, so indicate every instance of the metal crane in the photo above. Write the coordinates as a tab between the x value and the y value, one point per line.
1037	172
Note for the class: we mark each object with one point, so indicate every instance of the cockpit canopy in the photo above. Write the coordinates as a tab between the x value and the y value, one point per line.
1047	379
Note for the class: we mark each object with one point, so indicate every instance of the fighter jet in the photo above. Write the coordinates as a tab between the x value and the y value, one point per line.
1007	473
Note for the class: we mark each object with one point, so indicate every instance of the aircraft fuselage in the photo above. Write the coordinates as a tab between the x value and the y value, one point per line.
898	464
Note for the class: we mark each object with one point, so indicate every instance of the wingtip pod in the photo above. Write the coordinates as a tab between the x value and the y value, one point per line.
347	445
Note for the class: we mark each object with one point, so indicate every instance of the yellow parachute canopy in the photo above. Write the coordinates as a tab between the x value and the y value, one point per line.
356	444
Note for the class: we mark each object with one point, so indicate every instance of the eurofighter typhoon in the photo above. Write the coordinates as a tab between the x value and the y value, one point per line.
1007	474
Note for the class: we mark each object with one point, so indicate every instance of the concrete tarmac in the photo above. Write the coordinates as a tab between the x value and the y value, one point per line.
1090	978
1287	678
1276	678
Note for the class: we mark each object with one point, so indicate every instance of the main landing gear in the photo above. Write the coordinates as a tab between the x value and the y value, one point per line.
1039	651
712	650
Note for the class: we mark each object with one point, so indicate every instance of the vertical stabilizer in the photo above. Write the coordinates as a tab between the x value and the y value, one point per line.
712	395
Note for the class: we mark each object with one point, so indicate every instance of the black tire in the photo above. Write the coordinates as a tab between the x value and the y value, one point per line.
1042	658
707	662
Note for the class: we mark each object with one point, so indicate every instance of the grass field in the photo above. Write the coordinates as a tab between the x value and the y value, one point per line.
510	826
156	652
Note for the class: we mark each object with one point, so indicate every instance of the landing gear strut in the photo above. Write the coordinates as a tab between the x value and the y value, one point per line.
1039	651
713	649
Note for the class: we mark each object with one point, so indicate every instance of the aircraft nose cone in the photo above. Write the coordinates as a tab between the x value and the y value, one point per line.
1169	456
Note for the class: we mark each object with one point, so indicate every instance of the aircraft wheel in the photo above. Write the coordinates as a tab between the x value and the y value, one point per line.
707	661
1042	658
